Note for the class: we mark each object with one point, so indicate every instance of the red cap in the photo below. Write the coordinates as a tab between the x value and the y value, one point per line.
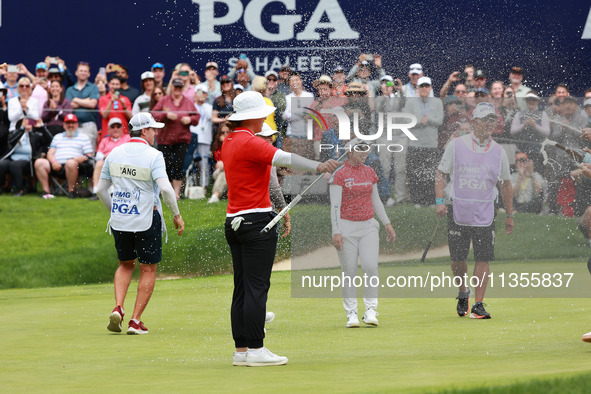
71	118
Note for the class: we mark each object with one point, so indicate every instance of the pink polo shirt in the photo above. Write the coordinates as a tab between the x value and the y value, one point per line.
357	183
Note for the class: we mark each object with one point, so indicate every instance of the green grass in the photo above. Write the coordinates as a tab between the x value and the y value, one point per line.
62	242
55	340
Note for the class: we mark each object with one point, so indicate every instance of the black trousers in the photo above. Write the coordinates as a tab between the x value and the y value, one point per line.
17	169
421	166
252	256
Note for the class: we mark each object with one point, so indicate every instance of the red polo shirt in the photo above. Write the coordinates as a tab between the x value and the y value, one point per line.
247	163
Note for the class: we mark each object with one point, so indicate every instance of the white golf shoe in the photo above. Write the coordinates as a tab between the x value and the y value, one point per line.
263	358
352	320
269	316
213	199
369	317
239	359
587	337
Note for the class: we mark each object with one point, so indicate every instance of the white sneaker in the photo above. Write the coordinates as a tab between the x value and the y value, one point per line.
390	202
369	317
239	359
264	358
213	199
352	320
269	317
587	337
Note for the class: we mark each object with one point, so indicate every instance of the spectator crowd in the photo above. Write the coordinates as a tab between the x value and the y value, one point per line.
58	124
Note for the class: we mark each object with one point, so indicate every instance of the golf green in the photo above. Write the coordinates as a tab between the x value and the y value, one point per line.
55	340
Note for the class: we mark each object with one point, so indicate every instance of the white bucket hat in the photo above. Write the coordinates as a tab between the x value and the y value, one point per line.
267	131
144	120
251	105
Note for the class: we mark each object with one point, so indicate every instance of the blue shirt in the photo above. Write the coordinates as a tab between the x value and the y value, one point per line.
89	90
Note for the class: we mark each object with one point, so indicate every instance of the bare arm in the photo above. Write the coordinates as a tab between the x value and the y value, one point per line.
507	196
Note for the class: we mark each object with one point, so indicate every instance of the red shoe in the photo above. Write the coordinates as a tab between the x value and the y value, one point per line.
136	328
116	319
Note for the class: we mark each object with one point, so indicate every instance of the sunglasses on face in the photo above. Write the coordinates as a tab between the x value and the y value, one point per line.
24	86
272	79
116	126
460	91
424	86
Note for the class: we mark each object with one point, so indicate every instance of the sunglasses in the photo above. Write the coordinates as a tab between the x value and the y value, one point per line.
24	86
424	85
116	126
158	93
489	119
272	79
460	91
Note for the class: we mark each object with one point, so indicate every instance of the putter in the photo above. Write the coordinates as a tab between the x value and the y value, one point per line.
430	242
293	202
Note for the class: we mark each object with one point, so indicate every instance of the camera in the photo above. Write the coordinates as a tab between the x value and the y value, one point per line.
53	60
396	83
462	75
509	94
369	57
12	69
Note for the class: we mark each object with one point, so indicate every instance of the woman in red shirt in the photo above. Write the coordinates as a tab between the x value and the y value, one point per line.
247	163
178	113
354	199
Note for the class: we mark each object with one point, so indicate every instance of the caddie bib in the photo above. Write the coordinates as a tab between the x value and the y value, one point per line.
475	179
135	194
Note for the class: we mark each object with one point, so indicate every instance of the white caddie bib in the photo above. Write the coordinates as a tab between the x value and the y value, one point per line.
135	194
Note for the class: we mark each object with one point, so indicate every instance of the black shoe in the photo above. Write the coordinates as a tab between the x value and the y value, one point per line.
478	311
94	197
463	302
71	195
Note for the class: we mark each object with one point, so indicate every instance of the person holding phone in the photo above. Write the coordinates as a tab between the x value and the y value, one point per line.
114	105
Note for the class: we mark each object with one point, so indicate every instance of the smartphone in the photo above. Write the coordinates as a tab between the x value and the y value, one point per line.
53	60
12	69
243	56
116	68
103	71
116	93
183	73
369	57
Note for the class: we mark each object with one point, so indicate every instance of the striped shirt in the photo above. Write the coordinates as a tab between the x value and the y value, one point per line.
70	147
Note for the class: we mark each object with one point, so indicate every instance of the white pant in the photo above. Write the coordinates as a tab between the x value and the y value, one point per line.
89	128
360	239
203	150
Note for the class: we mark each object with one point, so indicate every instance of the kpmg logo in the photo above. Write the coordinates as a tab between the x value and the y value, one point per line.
328	15
389	122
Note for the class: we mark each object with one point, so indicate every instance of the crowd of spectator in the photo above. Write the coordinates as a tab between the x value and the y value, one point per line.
59	123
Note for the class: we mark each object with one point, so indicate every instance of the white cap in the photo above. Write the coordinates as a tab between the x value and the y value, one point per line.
251	105
238	86
202	88
271	72
355	142
147	75
267	131
587	102
387	78
532	96
144	120
112	121
423	80
482	110
212	64
415	68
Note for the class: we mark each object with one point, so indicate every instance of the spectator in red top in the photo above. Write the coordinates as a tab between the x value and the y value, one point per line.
247	163
178	113
114	105
113	139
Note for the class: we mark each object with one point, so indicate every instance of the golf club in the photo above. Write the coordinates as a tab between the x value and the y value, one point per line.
293	202
431	241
